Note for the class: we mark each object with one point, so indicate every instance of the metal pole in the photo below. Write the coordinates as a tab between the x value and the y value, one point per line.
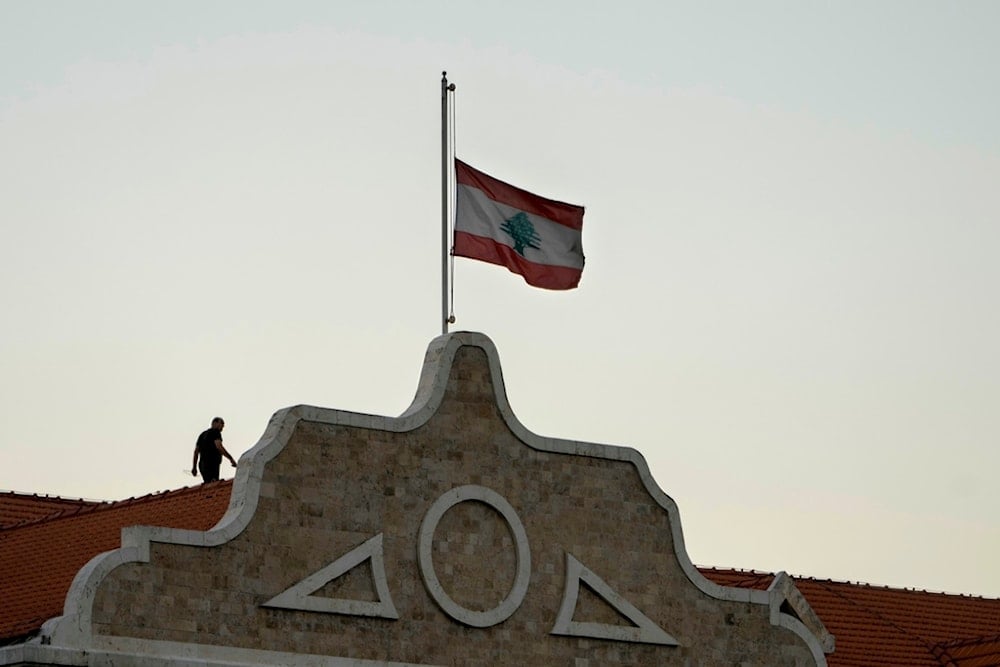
444	200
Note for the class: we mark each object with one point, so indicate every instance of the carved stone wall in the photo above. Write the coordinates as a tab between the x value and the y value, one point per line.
448	536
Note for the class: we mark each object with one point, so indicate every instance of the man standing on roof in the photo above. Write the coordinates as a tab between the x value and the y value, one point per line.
209	448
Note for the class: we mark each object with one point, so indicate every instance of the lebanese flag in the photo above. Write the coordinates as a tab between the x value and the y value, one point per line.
537	238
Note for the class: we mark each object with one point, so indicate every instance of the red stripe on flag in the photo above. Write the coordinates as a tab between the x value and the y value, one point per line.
537	275
505	193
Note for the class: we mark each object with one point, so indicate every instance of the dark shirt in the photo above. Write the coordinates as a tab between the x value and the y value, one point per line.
206	446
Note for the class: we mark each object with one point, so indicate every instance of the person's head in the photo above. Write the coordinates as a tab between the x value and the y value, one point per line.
218	423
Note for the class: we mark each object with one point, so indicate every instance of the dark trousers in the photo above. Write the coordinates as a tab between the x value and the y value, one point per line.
209	470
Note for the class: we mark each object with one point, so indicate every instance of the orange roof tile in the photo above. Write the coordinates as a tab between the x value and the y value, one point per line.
978	652
39	560
18	508
889	627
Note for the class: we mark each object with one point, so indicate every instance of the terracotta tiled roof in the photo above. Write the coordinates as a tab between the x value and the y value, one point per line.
978	652
887	627
893	627
18	508
38	560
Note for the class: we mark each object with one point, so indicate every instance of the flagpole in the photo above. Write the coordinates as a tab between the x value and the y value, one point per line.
445	88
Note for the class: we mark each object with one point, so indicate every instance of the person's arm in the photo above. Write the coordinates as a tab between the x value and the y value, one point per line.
194	462
222	450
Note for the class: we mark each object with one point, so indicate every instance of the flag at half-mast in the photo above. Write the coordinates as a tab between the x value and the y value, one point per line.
537	238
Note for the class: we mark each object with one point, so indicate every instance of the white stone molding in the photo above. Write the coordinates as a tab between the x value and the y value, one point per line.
425	556
300	596
643	631
129	652
74	628
783	592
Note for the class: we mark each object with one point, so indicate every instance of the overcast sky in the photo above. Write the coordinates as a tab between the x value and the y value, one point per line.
790	303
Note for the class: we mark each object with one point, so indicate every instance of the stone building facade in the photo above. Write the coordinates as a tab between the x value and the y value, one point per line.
450	535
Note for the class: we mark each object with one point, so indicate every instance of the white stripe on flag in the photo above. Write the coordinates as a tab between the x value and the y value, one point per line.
477	214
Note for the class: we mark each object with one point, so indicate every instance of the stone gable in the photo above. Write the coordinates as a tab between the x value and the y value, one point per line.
450	535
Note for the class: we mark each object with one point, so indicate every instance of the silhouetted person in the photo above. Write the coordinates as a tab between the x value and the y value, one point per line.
210	451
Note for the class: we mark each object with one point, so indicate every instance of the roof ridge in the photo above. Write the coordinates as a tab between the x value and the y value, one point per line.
848	582
46	496
886	587
738	570
749	576
159	494
105	505
44	506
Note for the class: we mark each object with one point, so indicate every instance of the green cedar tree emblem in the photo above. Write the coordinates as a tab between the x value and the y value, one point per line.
522	231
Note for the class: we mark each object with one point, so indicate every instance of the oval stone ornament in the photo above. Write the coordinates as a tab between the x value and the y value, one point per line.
425	556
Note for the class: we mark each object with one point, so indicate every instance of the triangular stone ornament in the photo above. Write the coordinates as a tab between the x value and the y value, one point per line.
300	596
645	630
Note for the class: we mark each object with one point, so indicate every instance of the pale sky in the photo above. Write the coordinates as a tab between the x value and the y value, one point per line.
790	299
